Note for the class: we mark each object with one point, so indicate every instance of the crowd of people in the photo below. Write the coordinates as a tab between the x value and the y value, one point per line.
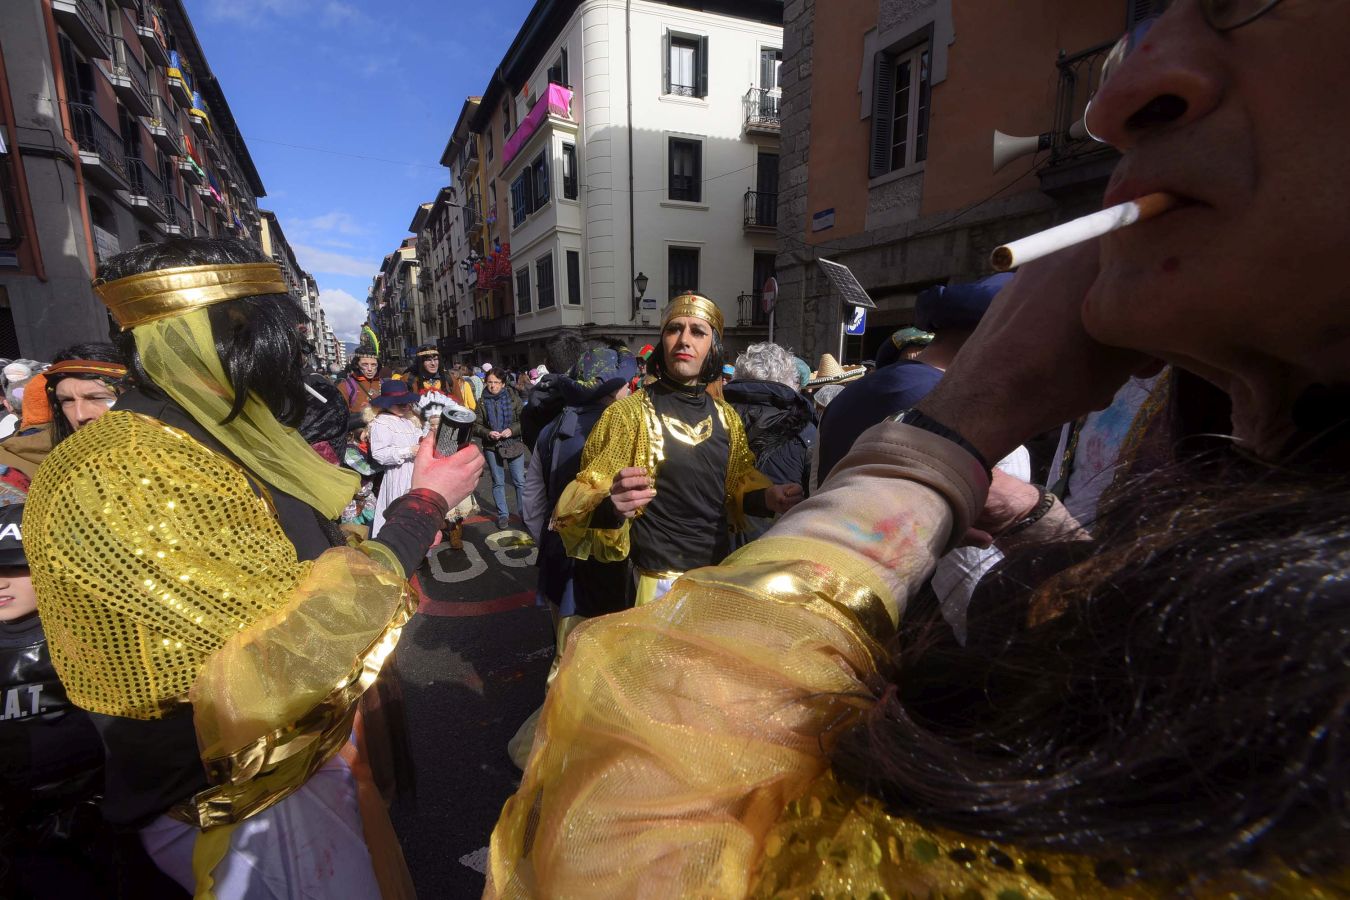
1048	600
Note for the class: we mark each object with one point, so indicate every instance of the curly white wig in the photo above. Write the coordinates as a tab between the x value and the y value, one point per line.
768	362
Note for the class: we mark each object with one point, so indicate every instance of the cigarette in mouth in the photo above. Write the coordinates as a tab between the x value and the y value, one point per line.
1052	240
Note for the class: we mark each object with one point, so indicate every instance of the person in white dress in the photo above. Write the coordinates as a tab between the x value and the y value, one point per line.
394	436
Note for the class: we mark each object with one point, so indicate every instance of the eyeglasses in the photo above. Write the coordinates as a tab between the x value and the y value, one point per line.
1221	15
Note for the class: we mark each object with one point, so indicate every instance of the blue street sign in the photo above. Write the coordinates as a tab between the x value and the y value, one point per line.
857	323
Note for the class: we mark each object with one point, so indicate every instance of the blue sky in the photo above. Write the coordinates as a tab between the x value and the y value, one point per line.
361	78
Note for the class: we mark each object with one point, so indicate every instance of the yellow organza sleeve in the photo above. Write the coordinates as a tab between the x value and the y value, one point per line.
612	446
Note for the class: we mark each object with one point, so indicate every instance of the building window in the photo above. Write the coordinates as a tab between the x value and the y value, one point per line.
770	64
569	171
686	170
523	290
686	65
506	118
900	100
543	280
529	192
683	270
490	141
539	174
573	278
557	73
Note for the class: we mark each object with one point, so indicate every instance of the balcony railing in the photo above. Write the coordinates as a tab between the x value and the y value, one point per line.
556	101
761	209
180	217
129	79
762	111
100	141
750	310
1076	160
146	190
502	328
149	25
84	21
163	121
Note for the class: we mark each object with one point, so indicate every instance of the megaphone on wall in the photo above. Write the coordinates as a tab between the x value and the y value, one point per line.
1008	147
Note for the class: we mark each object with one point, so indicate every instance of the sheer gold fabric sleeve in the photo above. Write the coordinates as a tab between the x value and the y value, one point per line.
676	733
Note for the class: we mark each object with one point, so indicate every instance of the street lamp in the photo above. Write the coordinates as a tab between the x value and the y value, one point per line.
639	291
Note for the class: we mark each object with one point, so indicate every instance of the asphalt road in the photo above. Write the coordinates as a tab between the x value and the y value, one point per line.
473	663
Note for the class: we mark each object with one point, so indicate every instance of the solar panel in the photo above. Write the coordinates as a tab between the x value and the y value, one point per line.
846	284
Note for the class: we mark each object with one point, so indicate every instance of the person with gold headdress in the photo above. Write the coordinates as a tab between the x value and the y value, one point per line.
667	474
199	601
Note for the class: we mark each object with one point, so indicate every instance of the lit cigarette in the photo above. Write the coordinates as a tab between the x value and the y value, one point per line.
315	394
1052	240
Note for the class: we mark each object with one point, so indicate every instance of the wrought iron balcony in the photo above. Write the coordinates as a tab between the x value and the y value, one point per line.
149	25
163	124
750	310
1076	161
180	218
101	151
762	111
129	79
86	25
501	328
146	191
761	211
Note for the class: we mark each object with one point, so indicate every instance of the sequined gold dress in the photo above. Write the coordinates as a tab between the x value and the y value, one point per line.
683	749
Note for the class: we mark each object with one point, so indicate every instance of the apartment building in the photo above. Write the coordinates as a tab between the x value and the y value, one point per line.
435	225
394	302
623	152
114	132
888	115
301	286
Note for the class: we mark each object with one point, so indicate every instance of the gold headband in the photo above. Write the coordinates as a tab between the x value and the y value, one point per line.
691	304
150	296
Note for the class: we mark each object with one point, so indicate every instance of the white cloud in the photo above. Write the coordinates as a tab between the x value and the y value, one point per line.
345	313
326	262
335	222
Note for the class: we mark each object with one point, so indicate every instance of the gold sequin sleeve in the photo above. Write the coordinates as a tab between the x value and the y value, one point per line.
620	439
163	577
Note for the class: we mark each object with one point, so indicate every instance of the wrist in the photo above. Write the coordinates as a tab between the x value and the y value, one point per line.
921	419
978	428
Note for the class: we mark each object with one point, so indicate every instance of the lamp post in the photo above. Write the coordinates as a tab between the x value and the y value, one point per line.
639	292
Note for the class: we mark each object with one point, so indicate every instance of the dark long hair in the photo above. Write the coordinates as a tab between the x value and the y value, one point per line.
712	365
94	352
257	338
1178	700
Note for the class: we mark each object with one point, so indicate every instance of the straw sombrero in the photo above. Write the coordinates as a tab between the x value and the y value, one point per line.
830	372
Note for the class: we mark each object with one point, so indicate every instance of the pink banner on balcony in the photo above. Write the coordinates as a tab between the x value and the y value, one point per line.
557	101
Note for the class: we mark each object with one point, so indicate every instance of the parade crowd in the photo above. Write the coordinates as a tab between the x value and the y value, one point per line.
1049	599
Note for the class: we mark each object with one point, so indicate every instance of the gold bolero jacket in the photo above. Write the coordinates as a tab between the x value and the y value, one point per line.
629	434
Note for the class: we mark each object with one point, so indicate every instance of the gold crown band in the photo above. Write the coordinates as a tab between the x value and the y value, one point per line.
691	304
150	296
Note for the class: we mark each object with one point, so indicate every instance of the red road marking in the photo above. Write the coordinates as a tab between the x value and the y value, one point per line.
430	607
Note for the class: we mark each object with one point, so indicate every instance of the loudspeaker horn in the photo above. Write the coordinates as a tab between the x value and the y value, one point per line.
1009	147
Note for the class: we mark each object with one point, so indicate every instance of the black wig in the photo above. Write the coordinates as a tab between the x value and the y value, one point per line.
94	352
257	338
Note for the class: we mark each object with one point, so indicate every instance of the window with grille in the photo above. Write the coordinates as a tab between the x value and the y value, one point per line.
686	170
686	65
682	267
530	191
543	280
901	94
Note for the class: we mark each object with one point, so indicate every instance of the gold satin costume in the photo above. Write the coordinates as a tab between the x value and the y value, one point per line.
683	750
629	434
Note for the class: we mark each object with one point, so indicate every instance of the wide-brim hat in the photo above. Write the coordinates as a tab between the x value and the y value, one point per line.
830	372
392	393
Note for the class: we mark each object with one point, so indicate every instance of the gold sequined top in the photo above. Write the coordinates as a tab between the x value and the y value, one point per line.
630	434
164	579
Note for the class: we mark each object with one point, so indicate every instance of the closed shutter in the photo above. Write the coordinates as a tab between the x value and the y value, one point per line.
698	170
883	99
701	83
1137	11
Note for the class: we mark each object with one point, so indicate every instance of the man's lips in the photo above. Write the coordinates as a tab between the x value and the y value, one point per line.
684	356
1133	190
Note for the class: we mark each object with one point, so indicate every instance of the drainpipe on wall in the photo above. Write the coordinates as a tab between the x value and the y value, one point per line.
68	132
632	228
20	177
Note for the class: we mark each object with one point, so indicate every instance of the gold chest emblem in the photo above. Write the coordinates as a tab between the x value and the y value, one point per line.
693	435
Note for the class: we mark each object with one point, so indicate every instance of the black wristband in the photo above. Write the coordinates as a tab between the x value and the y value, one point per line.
1038	512
933	426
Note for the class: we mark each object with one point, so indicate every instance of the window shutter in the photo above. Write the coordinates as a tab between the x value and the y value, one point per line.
883	99
665	62
702	63
1137	11
696	151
